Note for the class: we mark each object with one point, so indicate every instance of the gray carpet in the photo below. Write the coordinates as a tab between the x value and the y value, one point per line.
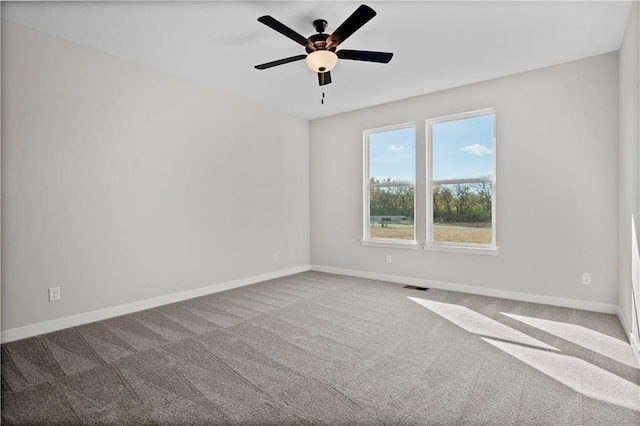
316	348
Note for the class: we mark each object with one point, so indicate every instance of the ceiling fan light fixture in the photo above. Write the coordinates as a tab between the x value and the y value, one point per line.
321	60
321	48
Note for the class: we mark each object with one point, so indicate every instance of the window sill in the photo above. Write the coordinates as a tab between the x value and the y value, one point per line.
490	251
411	245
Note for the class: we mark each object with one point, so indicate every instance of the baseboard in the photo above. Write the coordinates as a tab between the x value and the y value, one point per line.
114	311
481	291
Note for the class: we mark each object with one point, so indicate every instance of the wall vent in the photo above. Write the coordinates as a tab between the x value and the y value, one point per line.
413	287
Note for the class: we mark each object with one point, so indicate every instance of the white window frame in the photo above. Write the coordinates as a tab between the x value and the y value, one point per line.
454	246
367	240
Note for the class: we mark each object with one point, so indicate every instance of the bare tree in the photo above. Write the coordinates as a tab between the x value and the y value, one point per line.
485	193
462	192
446	198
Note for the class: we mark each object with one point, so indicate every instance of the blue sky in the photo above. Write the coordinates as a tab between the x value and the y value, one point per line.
392	154
461	149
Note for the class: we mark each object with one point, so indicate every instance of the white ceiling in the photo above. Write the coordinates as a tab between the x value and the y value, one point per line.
436	45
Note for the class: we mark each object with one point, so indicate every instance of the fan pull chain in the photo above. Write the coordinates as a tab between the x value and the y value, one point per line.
322	100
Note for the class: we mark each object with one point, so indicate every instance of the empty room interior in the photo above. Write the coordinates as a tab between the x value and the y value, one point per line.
320	212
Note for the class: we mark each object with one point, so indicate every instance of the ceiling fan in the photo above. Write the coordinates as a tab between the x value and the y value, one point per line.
321	54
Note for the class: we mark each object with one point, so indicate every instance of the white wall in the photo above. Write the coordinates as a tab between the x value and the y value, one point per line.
557	149
0	170
629	168
121	183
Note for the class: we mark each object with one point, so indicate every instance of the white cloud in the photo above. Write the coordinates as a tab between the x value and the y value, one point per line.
477	149
398	148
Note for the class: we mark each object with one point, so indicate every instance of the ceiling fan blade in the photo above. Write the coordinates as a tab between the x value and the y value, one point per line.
324	78
280	62
361	16
364	55
273	23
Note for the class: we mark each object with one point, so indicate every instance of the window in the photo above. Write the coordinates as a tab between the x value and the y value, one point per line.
389	180
461	180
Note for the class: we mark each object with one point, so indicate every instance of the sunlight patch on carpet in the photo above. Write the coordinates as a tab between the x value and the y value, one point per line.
602	344
579	375
476	323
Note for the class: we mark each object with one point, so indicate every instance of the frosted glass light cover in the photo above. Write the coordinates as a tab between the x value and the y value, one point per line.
321	60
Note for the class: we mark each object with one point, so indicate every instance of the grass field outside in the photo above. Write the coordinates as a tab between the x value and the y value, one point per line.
461	234
474	233
401	232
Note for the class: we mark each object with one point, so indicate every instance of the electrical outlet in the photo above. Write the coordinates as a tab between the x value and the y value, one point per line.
54	294
388	259
586	278
275	257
